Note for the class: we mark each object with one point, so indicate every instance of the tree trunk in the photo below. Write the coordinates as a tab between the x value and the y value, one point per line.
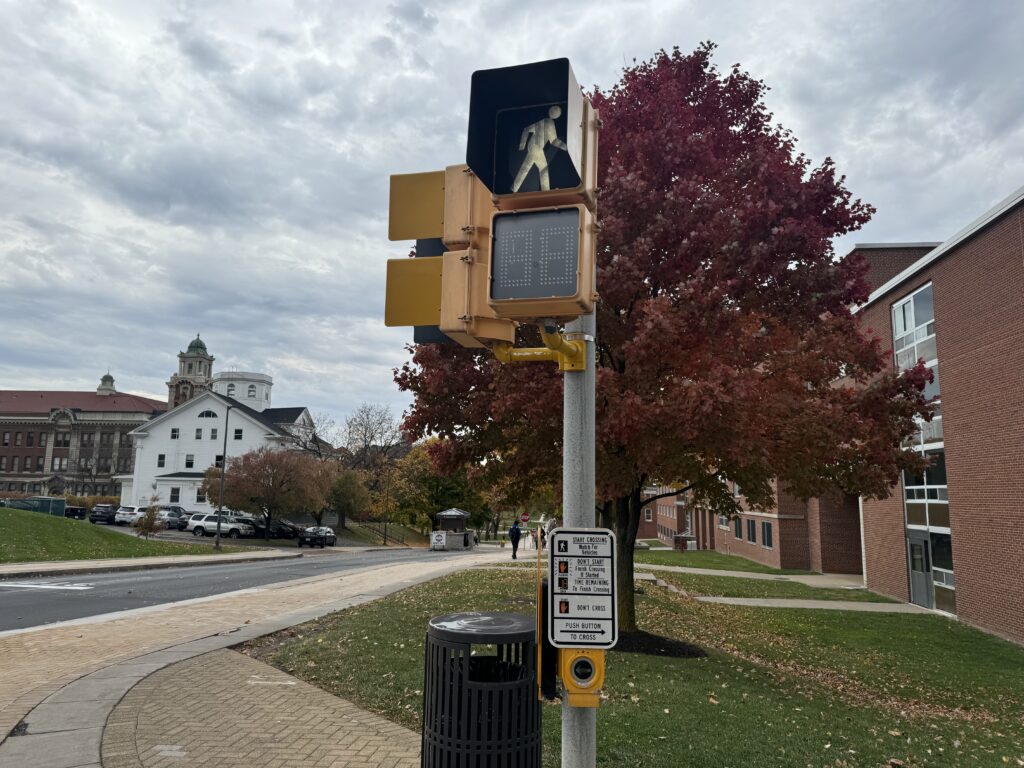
627	520
341	519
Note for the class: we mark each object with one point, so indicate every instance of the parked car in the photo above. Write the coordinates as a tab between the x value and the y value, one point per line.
103	513
279	529
206	525
317	537
175	518
78	513
128	515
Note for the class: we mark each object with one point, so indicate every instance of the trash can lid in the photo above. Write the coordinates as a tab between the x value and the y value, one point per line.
478	627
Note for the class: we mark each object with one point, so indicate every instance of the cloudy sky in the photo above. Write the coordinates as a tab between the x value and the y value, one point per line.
168	168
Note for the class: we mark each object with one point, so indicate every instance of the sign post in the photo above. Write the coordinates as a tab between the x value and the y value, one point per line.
524	518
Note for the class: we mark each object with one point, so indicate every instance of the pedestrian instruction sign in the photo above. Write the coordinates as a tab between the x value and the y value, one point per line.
581	605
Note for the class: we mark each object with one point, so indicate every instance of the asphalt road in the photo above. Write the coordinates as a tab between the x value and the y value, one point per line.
45	600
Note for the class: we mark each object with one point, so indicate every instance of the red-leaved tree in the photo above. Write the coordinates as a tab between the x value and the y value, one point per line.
727	350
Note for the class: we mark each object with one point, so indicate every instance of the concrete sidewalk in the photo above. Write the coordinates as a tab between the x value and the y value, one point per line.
832	580
826	605
58	685
66	567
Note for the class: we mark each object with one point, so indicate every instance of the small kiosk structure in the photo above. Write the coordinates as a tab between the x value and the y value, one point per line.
451	531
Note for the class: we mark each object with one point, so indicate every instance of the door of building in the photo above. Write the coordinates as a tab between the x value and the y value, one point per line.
920	569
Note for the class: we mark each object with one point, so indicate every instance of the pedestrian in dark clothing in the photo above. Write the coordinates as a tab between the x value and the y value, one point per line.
514	534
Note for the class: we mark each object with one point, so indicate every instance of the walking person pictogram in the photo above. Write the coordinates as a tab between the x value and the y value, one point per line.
535	139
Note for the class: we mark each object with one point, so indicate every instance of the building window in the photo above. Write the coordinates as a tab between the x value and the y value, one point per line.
40	463
199	433
208	415
103	466
766	534
190	460
231	390
238	434
648	515
174	433
252	390
124	439
17	438
200	496
219	461
15	461
7	438
62	440
30	439
60	463
86	439
3	463
751	531
107	438
28	464
161	459
213	433
739	528
723	522
42	439
175	495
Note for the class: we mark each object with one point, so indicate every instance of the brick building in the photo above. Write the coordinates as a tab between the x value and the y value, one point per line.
55	442
951	538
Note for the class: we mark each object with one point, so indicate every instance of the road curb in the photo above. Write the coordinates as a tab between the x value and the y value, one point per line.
29	573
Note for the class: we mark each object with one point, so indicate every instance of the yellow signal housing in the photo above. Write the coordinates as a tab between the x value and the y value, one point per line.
413	292
582	671
416	206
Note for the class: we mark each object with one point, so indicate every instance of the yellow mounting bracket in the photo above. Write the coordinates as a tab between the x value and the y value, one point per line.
570	355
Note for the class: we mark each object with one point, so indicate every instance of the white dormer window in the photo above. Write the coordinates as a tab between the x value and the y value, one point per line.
231	390
252	390
208	415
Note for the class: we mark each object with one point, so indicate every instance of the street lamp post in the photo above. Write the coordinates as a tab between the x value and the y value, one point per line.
223	469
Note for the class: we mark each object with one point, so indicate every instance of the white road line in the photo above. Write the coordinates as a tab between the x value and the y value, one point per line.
16	585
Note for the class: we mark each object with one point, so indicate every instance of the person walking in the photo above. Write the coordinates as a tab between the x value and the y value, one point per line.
514	534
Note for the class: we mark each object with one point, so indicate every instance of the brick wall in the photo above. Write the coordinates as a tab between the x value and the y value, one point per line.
885	544
837	542
885	263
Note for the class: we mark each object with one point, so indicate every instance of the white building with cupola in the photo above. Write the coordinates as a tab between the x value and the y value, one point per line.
210	416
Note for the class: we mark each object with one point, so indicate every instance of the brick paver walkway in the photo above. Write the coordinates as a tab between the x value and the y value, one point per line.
226	710
35	664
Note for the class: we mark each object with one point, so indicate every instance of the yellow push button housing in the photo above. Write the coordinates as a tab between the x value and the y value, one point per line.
582	672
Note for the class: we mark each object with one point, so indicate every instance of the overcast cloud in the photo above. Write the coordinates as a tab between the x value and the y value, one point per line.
168	168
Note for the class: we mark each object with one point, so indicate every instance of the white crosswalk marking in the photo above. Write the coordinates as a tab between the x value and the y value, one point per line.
17	585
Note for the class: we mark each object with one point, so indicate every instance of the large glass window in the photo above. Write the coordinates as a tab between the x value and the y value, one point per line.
751	531
766	534
190	460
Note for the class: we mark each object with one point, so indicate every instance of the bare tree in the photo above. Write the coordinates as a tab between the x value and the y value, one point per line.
374	439
321	438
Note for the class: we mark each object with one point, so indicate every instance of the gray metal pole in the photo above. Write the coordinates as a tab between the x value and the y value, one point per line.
579	724
223	469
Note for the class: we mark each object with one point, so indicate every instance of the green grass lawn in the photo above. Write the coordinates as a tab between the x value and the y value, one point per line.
652	542
735	586
32	536
707	558
753	687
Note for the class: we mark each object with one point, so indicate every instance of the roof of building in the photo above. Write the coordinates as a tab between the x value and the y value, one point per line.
877	246
197	346
283	415
990	216
44	401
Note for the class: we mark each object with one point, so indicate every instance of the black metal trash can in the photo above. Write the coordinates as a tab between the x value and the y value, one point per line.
480	705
